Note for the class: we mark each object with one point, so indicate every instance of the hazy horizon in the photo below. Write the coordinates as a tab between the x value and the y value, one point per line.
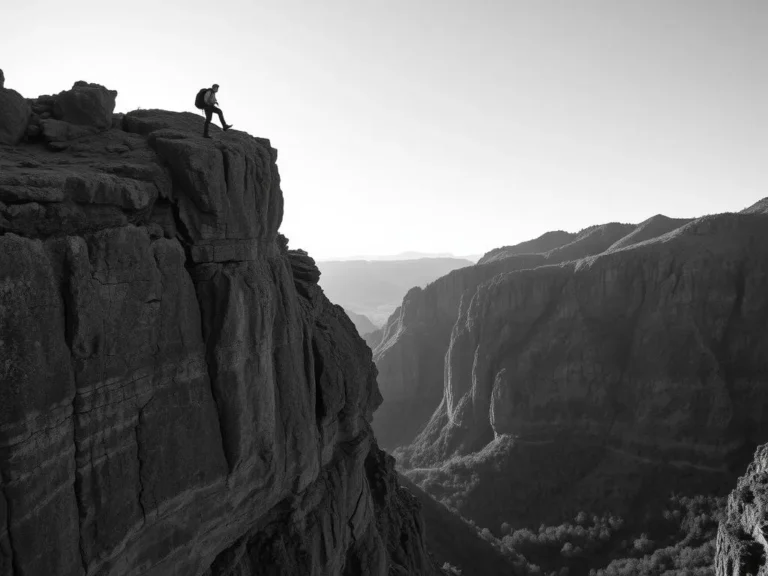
443	127
408	255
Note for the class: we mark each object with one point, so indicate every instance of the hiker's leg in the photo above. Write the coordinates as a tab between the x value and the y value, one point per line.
208	115
221	115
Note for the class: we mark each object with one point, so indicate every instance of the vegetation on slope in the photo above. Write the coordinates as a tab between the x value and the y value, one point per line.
679	541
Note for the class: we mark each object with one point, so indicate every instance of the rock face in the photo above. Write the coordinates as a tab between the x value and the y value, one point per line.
84	110
14	116
741	542
86	105
177	395
411	348
610	377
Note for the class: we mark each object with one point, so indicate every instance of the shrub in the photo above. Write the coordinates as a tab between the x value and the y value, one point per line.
452	570
643	544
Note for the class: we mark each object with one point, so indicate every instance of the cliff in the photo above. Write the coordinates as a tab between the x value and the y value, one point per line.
613	380
177	395
410	350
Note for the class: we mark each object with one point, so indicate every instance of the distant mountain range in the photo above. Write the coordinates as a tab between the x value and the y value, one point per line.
410	255
362	323
376	288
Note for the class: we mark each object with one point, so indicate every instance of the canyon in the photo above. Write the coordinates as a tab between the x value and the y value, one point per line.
179	396
615	366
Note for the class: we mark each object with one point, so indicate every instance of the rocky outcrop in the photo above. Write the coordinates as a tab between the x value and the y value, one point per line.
86	105
635	368
412	347
742	548
14	115
84	110
177	395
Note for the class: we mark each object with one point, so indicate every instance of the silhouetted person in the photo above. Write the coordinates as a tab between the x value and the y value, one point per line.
209	105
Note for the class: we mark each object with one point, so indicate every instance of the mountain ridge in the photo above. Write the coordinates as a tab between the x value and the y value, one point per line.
615	379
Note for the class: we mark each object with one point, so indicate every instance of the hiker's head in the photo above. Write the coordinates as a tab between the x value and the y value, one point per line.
215	87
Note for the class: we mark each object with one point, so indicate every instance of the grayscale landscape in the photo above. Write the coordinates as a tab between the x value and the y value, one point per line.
456	289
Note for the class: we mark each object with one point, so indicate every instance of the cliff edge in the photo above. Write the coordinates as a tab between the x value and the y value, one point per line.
177	395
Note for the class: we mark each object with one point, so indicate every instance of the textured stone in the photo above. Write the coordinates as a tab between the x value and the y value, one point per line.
412	347
177	396
87	105
60	131
742	548
14	117
397	515
231	186
95	185
635	369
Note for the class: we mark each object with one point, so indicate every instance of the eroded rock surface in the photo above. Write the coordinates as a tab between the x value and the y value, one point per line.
86	105
177	395
612	379
410	350
742	548
14	116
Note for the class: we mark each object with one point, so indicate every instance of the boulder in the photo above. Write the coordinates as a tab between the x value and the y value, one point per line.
303	266
86	104
14	116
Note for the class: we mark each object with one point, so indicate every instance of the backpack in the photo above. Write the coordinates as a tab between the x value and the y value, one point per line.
199	102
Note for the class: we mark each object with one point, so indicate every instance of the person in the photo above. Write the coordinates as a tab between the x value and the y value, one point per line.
209	105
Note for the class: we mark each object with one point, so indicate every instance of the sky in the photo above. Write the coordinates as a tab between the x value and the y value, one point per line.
441	125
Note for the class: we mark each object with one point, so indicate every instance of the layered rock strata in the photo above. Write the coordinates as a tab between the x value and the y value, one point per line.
640	370
410	349
177	395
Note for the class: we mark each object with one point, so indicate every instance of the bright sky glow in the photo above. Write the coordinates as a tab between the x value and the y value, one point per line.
441	125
